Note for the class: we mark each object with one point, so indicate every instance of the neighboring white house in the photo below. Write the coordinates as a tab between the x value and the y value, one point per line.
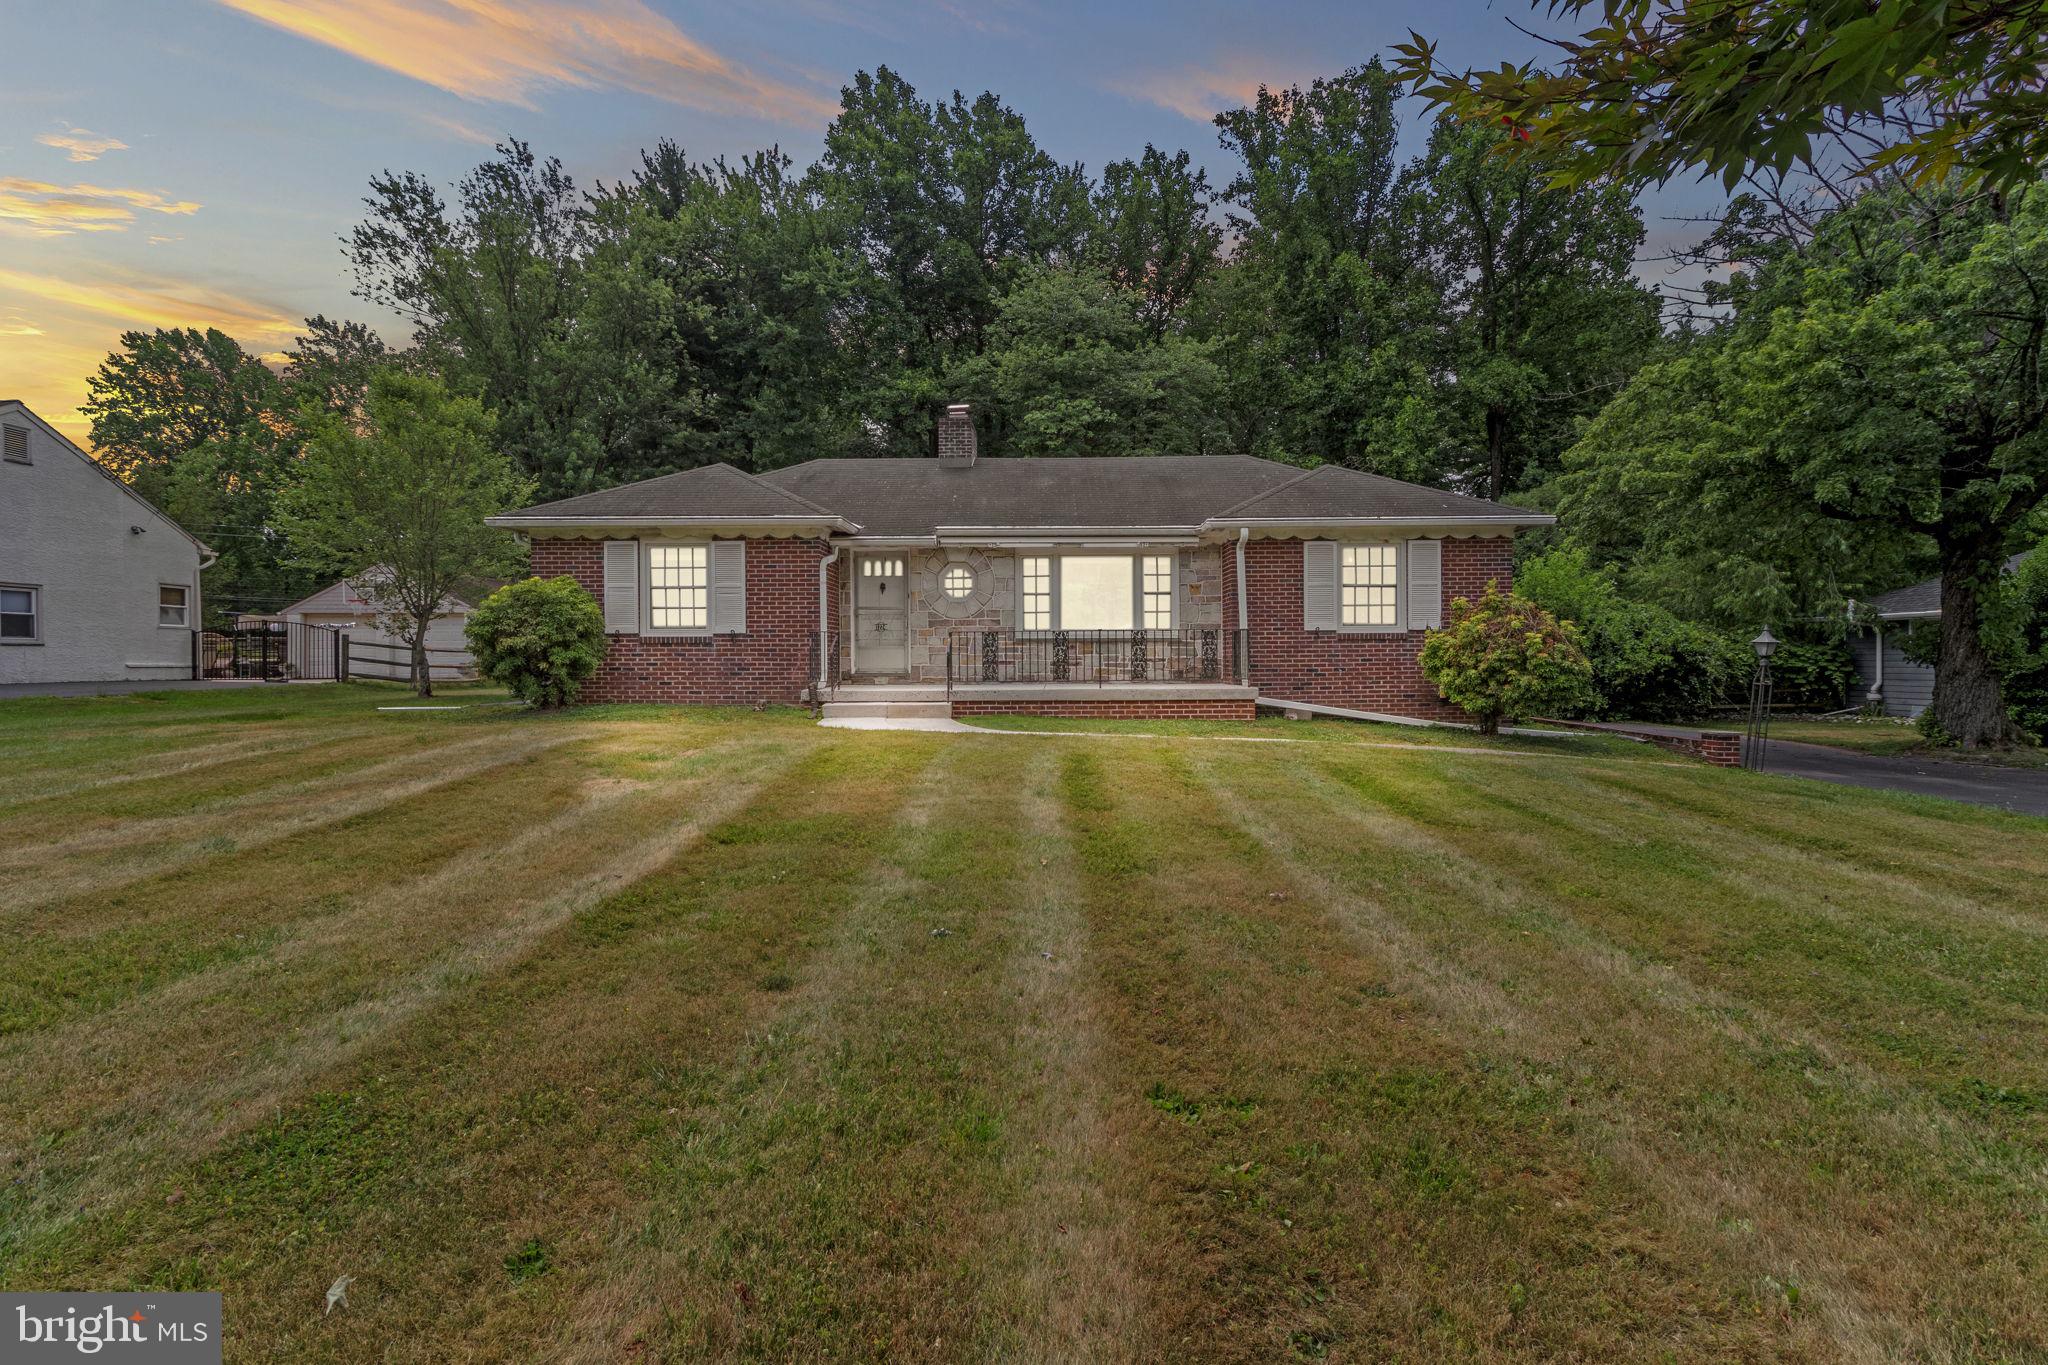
346	607
96	585
1890	679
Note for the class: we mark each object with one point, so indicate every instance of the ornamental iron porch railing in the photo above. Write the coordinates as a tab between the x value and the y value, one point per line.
1189	654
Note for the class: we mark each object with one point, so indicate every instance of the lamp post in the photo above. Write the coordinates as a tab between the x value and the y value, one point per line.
1759	731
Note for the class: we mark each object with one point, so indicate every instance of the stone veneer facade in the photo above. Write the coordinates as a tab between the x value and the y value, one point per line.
993	603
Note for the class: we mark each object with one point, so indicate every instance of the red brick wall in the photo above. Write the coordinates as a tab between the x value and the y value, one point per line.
1192	708
770	662
1332	668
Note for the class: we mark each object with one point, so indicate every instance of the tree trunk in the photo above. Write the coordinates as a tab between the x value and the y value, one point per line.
1496	453
422	671
1489	724
1969	704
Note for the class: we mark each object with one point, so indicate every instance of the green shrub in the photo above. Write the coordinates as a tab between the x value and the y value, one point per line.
1812	677
542	638
1504	658
1648	664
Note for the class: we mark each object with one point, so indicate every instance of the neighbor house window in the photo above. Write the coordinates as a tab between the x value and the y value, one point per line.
170	605
14	441
957	581
1097	592
1367	583
679	587
21	617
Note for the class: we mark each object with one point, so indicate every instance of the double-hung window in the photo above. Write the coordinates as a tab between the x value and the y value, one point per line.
679	587
171	605
21	615
1095	592
1368	585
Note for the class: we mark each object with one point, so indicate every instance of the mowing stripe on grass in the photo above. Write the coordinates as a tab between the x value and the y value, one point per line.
1748	1164
436	914
502	1116
178	841
839	1171
1340	1178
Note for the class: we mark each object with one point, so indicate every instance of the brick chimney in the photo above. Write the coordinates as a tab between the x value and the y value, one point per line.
956	437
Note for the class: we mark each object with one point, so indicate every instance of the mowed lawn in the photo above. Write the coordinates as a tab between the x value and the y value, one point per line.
638	1034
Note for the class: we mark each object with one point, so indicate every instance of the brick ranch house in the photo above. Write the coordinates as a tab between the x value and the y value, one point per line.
1185	586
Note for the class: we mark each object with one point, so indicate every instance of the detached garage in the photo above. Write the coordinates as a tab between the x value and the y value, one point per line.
375	650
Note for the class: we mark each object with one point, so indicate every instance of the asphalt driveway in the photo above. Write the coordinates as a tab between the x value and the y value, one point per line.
2015	789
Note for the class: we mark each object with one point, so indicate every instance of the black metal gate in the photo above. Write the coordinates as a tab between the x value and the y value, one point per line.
271	650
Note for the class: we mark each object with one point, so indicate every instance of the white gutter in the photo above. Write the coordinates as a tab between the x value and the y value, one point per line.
824	633
1244	533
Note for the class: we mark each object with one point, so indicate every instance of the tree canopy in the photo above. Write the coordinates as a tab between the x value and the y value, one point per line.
1874	406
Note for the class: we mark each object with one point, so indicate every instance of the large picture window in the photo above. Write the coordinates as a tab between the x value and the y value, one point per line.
1096	592
1368	585
679	587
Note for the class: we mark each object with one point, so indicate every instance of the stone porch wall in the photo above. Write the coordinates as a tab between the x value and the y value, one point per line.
993	603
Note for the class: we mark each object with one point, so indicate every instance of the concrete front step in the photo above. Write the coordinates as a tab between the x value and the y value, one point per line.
926	710
889	692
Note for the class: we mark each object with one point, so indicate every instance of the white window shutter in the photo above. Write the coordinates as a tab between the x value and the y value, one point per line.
729	587
1319	584
622	587
1425	585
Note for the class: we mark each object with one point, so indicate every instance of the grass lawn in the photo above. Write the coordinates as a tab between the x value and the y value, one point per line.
643	1034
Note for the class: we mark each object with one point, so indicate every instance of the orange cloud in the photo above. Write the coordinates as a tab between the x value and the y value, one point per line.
1202	92
81	143
54	210
507	50
54	332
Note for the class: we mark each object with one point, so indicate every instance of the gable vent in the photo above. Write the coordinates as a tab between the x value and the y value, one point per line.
17	444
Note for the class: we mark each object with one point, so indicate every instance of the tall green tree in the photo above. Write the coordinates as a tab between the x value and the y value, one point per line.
330	366
1155	231
1876	397
513	300
398	502
1072	367
758	279
1321	306
1540	317
946	204
1728	86
205	431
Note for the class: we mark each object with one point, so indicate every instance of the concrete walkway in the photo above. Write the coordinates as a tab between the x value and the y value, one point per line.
115	689
2016	789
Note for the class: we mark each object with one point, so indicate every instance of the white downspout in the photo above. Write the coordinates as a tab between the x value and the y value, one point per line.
1244	665
824	631
1877	683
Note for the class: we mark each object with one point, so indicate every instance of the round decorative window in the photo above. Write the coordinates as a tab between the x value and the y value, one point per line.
957	582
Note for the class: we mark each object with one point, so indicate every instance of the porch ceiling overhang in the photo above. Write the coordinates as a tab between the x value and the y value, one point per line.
627	528
1065	535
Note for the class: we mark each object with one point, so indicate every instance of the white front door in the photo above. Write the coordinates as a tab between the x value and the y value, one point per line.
881	615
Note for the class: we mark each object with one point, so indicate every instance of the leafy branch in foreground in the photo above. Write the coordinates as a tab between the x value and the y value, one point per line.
1659	87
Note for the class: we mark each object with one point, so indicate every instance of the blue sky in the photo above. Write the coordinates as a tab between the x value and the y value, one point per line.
194	162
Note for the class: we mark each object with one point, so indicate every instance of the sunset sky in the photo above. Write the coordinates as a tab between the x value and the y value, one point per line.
194	162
